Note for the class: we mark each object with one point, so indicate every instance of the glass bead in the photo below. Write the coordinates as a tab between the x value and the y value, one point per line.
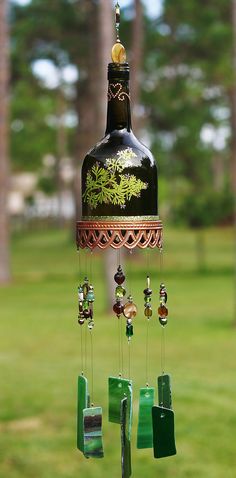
85	286
163	321
90	295
119	276
120	292
91	324
129	321
85	304
118	53
148	312
147	298
162	311
80	293
130	310
80	306
81	321
86	313
118	308
129	330
147	291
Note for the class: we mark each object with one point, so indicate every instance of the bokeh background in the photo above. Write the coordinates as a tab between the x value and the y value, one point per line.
53	61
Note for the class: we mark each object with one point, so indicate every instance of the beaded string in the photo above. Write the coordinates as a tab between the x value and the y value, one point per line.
163	345
81	331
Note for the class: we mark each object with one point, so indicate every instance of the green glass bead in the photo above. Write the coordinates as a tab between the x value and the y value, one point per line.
120	292
129	330
85	304
148	298
148	312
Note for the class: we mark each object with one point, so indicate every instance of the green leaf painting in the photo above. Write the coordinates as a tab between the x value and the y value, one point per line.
109	185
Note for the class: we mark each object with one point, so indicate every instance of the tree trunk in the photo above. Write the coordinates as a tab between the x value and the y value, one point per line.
61	152
4	161
106	30
136	63
233	143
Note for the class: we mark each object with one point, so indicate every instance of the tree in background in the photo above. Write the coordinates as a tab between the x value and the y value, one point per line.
4	162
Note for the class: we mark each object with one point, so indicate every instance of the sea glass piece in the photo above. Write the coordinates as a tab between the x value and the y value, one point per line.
92	418
118	53
163	432
145	432
119	388
164	391
125	440
82	402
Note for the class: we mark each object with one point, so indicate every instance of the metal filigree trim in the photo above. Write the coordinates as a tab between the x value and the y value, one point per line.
115	91
128	234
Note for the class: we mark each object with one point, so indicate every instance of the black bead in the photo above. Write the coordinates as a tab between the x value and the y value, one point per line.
147	291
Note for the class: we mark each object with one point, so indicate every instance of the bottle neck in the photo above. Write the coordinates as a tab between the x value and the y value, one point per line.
118	107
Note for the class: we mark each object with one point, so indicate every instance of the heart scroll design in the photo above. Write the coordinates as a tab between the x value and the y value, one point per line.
115	91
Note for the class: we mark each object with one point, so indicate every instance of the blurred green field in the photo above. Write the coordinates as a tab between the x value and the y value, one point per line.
40	359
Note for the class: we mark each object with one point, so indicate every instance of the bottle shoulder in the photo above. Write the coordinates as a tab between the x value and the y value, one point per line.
121	140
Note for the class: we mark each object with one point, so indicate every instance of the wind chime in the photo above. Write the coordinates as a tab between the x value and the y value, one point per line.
120	210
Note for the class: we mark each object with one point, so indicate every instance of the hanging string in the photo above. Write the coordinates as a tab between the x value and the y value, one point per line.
81	350
129	359
92	371
121	344
147	352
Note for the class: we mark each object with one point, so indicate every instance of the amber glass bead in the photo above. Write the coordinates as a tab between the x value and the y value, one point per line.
130	310
118	53
120	292
163	321
119	276
162	311
148	312
118	308
85	286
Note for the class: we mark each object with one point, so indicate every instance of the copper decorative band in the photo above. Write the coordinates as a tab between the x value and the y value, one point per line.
115	91
127	234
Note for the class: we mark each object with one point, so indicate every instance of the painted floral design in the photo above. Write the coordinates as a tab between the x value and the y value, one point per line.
109	185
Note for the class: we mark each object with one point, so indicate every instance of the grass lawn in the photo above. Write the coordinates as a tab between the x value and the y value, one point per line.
40	359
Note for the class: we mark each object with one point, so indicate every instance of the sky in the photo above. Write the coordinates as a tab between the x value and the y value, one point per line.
153	6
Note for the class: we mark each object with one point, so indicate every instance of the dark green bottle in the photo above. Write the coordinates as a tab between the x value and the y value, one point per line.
119	174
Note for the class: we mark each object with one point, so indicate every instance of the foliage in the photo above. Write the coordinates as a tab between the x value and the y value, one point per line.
108	185
202	210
